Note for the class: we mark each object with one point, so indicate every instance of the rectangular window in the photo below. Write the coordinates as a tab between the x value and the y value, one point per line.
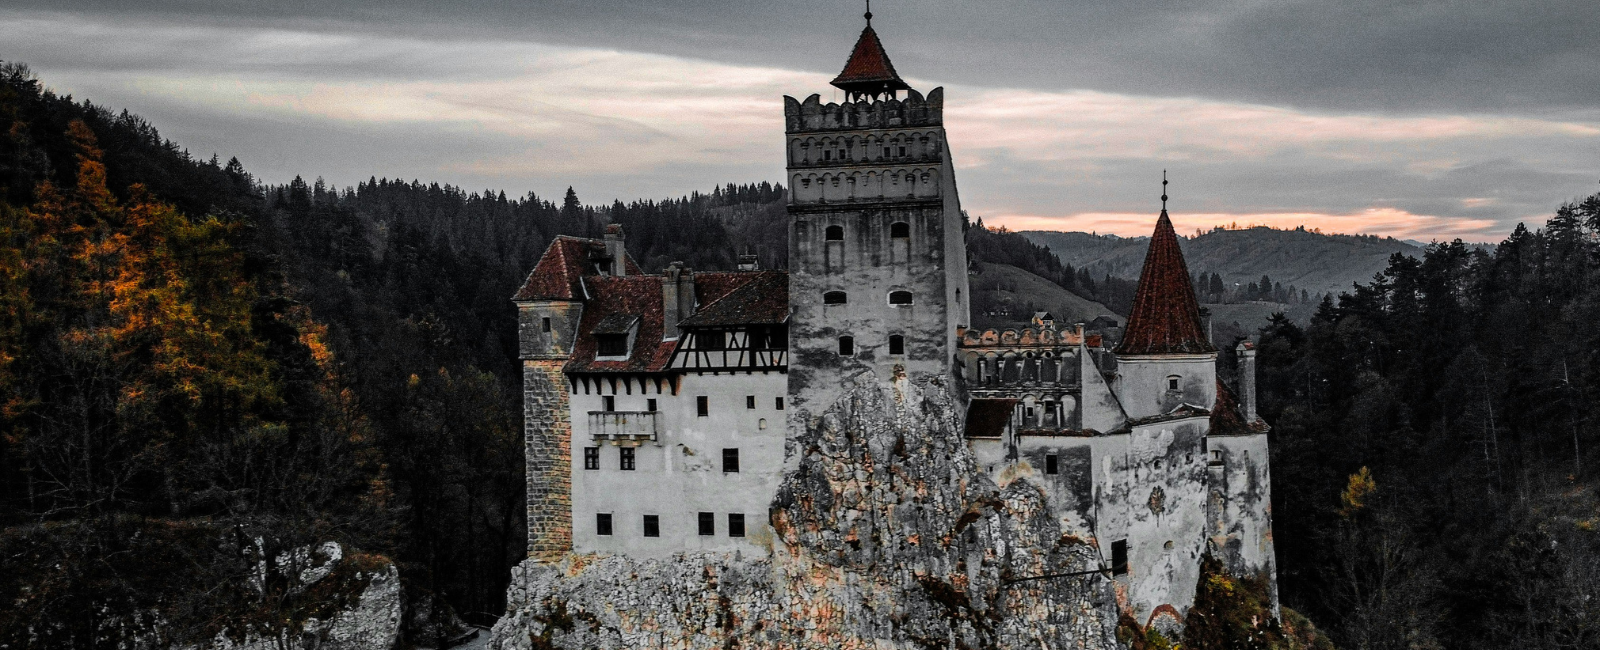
897	344
749	401
591	458
602	523
708	523
735	524
715	340
608	403
730	461
652	526
612	345
1050	463
778	403
650	404
544	324
702	406
627	458
1119	557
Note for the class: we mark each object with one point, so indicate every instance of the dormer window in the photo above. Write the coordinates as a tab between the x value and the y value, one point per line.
612	345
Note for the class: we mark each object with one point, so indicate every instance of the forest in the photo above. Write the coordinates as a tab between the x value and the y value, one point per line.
188	354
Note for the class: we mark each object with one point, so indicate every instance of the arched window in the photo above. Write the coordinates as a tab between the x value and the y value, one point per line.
900	229
847	346
833	298
899	297
897	344
834	233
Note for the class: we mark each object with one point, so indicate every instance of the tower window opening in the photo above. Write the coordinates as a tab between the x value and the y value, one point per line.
608	403
827	155
1172	382
730	461
627	458
897	344
900	230
749	401
652	525
591	458
602	523
902	152
900	297
736	524
1050	466
834	298
544	324
708	523
777	403
702	406
847	346
650	404
1119	557
834	233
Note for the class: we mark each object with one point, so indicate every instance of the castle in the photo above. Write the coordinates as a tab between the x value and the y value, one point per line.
657	406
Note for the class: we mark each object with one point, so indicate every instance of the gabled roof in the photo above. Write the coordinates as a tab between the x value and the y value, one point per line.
869	69
1165	318
618	304
762	300
559	273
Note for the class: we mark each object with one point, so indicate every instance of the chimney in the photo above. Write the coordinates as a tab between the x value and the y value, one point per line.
749	263
615	250
1247	380
677	298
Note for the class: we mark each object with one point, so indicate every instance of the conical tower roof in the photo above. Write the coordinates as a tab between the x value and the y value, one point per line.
869	71
1165	318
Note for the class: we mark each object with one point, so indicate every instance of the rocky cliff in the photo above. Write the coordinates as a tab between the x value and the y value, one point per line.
886	537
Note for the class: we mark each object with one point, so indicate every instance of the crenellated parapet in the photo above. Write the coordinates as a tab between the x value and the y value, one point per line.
813	115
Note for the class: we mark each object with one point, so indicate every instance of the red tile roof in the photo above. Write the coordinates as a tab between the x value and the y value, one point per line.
763	299
640	296
1227	418
869	69
1165	318
559	273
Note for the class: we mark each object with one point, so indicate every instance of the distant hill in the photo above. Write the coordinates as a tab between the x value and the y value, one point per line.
1022	293
1315	262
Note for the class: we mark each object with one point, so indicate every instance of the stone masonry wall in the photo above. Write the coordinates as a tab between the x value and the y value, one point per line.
547	436
885	536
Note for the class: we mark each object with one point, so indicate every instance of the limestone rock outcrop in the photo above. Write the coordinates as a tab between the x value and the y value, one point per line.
886	536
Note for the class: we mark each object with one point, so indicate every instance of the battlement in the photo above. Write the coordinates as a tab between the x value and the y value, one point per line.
1026	337
812	115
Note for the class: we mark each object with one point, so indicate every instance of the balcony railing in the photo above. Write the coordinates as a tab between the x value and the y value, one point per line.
624	425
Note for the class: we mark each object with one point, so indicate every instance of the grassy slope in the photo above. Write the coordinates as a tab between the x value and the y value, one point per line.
1006	283
1315	262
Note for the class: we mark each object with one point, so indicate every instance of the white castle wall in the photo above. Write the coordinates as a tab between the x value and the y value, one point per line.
680	474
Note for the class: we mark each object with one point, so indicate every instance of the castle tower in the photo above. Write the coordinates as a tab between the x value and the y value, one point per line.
877	255
1165	359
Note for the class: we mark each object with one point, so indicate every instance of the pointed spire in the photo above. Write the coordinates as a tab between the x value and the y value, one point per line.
869	72
1165	318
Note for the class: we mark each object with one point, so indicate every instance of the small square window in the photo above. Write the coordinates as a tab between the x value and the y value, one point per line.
749	401
1172	383
778	403
591	458
735	524
730	461
544	324
602	523
1050	466
650	404
652	525
1119	557
708	523
608	403
702	406
627	458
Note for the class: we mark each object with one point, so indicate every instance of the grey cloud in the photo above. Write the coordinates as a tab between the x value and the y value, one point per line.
1378	55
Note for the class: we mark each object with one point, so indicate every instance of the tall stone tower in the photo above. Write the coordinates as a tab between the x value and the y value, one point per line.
877	257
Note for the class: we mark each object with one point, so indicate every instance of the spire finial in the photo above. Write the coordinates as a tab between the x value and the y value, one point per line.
869	13
1163	190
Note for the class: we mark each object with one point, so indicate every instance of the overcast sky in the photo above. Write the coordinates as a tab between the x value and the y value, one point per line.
1424	120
